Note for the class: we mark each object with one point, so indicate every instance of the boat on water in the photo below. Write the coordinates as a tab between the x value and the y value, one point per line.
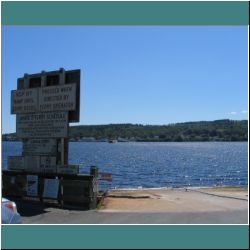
113	141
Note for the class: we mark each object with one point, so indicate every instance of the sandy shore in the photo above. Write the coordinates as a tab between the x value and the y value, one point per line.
176	200
152	206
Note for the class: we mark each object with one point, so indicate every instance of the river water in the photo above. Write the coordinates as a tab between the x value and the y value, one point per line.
163	164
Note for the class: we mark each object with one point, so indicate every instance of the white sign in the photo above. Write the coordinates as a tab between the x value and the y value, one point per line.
32	185
24	101
51	187
45	99
68	169
42	125
16	163
39	147
57	98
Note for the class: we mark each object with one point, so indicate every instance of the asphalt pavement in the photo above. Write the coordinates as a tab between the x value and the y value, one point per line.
39	214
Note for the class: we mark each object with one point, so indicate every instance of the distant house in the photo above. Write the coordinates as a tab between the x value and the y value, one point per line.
88	139
122	139
103	140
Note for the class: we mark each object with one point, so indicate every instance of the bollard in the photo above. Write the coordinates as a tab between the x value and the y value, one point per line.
94	187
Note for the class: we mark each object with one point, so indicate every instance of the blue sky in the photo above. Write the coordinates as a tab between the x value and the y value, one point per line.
136	74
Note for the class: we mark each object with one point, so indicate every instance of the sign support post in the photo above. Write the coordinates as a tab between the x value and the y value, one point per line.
61	82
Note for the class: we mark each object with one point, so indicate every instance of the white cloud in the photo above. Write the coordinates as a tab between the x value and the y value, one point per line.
232	113
244	111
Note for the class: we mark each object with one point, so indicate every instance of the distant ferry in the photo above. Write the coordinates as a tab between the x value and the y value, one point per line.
113	141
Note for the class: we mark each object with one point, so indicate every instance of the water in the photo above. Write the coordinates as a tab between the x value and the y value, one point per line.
164	164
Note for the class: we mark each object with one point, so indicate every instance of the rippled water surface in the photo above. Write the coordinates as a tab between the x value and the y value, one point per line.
165	164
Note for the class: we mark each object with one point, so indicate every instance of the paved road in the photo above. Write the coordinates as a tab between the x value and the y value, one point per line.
38	214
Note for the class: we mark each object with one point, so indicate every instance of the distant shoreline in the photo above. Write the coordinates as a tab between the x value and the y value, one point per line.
131	141
219	130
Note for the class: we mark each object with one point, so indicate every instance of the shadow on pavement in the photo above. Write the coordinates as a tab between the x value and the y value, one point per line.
28	209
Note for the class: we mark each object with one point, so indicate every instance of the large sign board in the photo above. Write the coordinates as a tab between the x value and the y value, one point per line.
24	101
45	104
39	147
57	98
42	125
45	99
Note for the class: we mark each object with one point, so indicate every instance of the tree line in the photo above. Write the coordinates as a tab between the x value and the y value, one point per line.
219	130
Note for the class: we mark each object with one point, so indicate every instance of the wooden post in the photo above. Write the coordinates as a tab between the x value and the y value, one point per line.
26	81
93	187
43	79
62	151
62	78
62	81
94	171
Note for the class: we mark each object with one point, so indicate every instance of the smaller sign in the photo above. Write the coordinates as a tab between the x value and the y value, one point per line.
51	187
48	160
32	185
16	163
42	125
57	98
32	163
39	147
48	164
24	101
48	169
105	176
68	169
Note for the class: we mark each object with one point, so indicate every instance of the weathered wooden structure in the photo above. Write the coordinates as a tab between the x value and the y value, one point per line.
45	104
73	190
